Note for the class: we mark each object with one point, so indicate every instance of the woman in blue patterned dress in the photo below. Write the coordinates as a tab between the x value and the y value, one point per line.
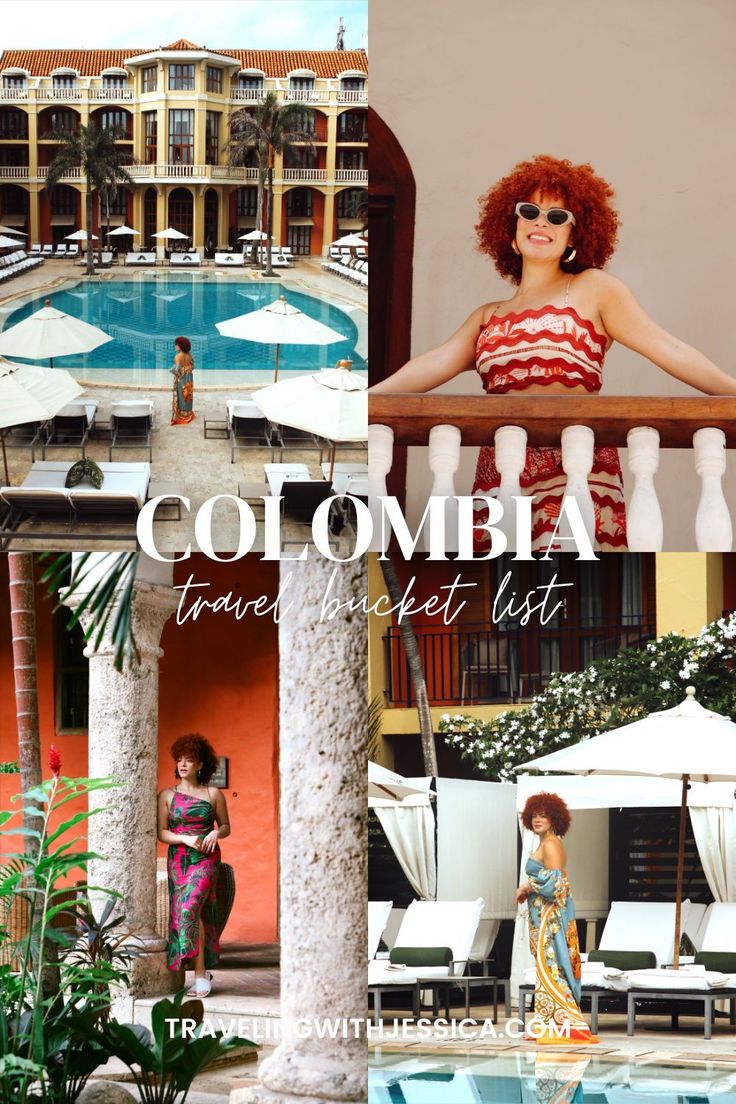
192	818
553	934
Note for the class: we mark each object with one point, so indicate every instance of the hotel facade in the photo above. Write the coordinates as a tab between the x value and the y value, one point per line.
174	104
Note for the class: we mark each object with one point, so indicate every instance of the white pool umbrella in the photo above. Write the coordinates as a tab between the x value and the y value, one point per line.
80	235
253	235
332	403
51	333
688	742
12	230
32	393
169	234
278	324
351	240
9	243
119	231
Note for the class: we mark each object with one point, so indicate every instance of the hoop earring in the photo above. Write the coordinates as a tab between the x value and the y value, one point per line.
570	257
515	247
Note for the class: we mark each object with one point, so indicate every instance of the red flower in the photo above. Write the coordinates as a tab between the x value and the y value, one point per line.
55	760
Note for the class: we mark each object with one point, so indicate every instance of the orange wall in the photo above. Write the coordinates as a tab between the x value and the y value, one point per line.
218	676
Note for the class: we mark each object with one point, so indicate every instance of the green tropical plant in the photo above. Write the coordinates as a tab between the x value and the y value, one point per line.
165	1060
107	583
12	767
103	164
607	694
41	1057
269	128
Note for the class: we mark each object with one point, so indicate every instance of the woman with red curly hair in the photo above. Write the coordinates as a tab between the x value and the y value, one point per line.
192	818
553	935
550	227
182	402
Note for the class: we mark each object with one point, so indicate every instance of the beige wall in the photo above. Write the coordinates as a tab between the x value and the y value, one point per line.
644	90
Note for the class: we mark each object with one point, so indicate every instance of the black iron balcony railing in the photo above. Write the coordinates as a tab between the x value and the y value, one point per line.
485	662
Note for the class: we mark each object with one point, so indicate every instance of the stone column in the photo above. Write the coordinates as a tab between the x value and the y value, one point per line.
323	843
123	743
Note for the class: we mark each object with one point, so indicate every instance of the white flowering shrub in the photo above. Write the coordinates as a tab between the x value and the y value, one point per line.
609	693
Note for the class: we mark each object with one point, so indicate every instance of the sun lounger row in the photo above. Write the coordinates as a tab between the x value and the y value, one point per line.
355	270
131	426
15	263
46	251
104	258
140	258
345	253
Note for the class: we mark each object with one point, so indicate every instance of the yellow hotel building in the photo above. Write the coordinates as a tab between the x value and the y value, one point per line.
174	103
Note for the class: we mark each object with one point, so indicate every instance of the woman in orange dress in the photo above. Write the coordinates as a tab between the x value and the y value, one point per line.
550	227
182	403
553	935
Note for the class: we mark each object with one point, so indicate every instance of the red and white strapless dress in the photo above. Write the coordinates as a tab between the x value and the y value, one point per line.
549	345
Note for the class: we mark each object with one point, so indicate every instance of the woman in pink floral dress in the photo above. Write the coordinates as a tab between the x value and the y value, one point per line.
192	818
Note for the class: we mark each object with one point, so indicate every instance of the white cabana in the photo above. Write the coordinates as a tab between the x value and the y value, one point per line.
589	799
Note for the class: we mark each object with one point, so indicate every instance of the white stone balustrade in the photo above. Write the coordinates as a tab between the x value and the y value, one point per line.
713	530
444	460
412	424
644	525
577	444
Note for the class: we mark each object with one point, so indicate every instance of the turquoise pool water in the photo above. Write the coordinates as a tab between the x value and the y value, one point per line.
144	316
529	1078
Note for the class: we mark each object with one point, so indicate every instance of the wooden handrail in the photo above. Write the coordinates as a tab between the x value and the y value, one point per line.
545	416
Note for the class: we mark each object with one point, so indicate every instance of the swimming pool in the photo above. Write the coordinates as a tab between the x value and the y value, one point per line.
143	316
533	1078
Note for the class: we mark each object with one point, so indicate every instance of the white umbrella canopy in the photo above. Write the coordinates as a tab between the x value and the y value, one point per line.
51	333
12	230
278	323
32	393
385	783
9	243
687	742
332	403
170	234
80	235
120	230
253	235
351	240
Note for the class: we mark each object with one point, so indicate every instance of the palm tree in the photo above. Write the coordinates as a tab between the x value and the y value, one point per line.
23	624
416	669
92	150
268	129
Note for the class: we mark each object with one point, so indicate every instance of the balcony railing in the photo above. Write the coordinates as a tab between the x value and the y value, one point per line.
484	662
315	175
14	172
55	95
351	176
181	171
306	95
70	174
352	95
111	94
14	93
575	424
247	95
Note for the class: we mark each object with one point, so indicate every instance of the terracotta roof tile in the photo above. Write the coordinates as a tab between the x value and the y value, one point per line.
274	63
182	44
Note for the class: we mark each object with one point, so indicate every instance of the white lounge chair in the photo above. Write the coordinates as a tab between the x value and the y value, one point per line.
71	427
643	926
140	258
47	251
36	249
378	914
131	425
179	260
432	924
229	260
60	250
72	250
248	427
